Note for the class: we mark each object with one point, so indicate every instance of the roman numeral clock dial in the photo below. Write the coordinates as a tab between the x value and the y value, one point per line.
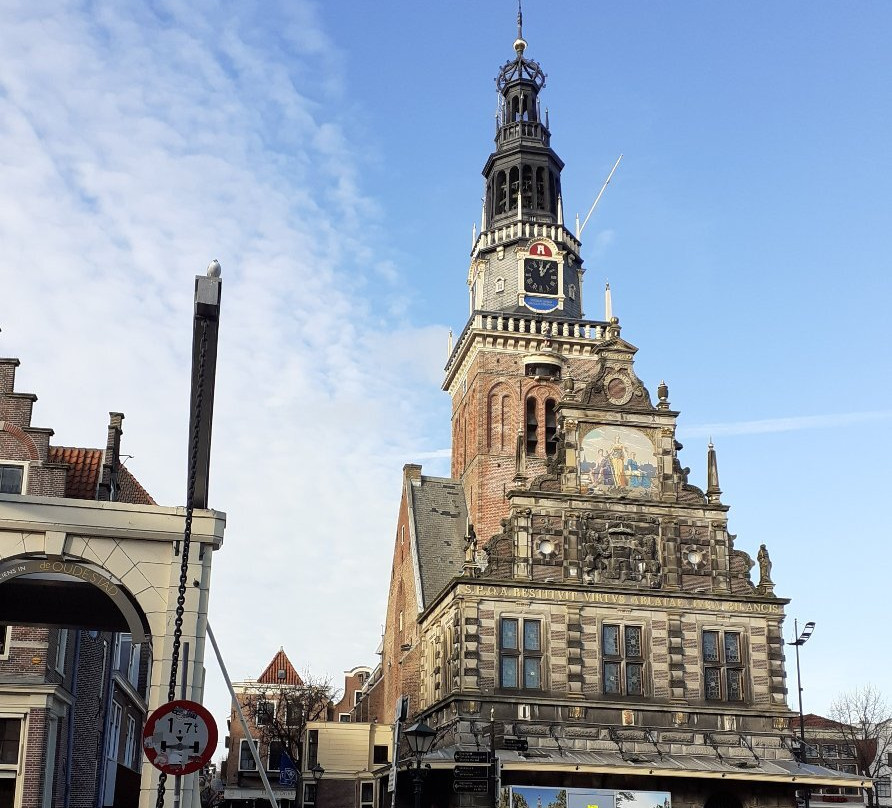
540	276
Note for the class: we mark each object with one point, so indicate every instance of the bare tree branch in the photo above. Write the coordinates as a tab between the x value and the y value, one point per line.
863	719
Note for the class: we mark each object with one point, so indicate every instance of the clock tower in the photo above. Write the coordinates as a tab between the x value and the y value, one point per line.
526	342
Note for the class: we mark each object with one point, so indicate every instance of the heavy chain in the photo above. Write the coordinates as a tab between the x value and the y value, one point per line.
187	539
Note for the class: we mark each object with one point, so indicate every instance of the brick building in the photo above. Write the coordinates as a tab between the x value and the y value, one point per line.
285	712
72	701
568	597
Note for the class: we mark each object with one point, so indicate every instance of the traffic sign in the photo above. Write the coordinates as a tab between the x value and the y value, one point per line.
470	756
517	744
470	786
180	737
470	772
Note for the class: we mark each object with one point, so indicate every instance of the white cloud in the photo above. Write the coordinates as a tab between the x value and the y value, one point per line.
138	143
791	424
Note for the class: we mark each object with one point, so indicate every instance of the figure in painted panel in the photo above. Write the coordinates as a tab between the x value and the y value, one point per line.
617	462
637	476
602	470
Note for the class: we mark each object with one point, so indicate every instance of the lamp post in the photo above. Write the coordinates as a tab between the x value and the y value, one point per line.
317	771
801	639
420	738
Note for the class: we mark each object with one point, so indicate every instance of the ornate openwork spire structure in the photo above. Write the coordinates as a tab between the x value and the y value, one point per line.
523	173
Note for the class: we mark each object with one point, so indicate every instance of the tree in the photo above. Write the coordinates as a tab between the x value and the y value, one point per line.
863	719
280	713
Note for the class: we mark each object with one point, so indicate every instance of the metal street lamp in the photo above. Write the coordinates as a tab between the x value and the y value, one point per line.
801	639
317	771
420	738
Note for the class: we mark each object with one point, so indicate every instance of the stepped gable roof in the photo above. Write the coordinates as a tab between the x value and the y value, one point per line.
84	470
280	662
441	520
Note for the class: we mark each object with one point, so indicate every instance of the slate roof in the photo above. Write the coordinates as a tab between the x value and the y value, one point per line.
280	662
85	471
441	519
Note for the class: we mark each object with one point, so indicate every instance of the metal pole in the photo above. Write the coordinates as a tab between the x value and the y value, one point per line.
252	744
796	642
418	781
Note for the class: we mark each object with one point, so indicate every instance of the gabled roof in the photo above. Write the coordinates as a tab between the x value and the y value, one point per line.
440	521
84	470
280	662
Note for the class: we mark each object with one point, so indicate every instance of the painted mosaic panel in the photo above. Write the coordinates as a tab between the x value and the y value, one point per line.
617	459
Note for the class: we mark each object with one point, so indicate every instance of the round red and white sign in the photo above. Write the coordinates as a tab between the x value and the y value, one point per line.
180	737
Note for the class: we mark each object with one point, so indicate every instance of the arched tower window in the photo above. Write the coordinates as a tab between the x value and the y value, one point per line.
532	426
500	284
501	192
527	187
552	191
505	424
550	427
540	188
513	187
515	108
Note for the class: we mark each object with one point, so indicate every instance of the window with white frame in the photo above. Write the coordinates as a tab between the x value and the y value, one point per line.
12	478
572	292
130	743
357	697
520	653
5	633
367	794
344	718
114	732
10	741
246	761
309	795
883	787
623	659
722	666
133	670
500	284
61	649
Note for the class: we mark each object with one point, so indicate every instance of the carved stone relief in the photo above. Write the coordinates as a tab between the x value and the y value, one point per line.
618	552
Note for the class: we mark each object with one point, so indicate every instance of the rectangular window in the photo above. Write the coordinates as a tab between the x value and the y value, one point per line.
130	743
722	666
264	713
114	732
520	657
4	642
312	748
623	660
11	479
309	795
344	718
10	739
133	672
357	697
61	649
379	754
274	760
367	794
883	787
245	758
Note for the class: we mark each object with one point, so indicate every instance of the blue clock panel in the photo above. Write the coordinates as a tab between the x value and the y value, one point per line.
540	303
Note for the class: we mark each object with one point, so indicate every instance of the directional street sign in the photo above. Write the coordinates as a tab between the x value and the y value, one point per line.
471	786
470	772
517	744
470	756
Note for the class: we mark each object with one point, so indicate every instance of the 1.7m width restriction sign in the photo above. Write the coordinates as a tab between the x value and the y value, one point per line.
180	737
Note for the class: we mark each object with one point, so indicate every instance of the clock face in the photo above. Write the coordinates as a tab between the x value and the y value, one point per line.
540	276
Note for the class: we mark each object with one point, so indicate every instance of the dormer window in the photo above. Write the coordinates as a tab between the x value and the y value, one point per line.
571	292
11	479
500	284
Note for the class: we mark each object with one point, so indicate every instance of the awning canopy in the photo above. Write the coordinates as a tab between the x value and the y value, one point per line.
236	793
653	764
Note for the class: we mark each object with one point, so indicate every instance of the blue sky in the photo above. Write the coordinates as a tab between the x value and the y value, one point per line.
329	155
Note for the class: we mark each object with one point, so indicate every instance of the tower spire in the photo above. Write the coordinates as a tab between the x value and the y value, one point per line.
519	20
713	492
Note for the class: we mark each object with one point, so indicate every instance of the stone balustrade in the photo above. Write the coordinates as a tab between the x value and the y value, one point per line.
515	230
